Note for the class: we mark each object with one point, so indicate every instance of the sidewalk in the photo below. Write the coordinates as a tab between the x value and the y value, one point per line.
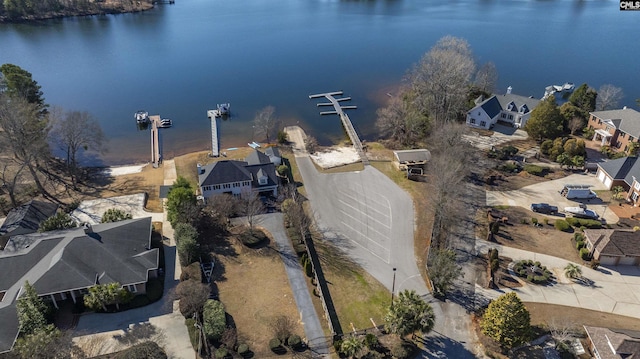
614	289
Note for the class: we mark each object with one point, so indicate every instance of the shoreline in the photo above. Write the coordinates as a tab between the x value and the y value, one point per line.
100	11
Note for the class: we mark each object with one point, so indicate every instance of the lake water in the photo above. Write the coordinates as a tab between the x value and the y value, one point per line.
180	60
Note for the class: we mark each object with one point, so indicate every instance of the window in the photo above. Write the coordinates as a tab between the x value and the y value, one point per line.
236	184
599	122
247	183
226	186
132	288
216	186
631	138
511	117
472	121
479	113
503	116
636	185
262	180
483	123
622	134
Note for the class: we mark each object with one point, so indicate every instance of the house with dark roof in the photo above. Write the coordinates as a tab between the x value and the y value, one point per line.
507	108
404	159
63	265
624	172
605	343
25	219
256	173
615	128
614	246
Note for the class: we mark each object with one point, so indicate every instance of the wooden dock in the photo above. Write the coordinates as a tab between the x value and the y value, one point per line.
156	156
346	121
215	144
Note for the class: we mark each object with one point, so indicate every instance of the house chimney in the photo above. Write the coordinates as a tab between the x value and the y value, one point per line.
87	228
509	90
200	169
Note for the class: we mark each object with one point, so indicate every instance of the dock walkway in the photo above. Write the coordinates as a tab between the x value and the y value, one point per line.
346	121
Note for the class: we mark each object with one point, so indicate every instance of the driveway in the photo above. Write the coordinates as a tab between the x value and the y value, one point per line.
91	211
549	192
611	289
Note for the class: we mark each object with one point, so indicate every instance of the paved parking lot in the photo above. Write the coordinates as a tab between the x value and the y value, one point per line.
549	192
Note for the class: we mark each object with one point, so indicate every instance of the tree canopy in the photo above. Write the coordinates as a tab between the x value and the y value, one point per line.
32	311
443	269
181	202
507	321
58	221
17	82
545	121
115	215
584	97
101	295
408	314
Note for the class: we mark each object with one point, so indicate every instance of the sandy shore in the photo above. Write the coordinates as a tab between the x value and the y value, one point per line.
124	170
336	156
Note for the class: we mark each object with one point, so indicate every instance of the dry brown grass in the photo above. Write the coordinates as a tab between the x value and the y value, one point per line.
545	239
542	314
255	291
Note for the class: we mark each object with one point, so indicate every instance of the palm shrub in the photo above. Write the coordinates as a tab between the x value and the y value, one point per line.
572	271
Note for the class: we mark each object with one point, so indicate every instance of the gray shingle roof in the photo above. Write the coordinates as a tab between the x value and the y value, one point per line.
26	218
268	169
518	100
491	106
224	172
417	155
256	157
72	259
622	169
626	119
272	152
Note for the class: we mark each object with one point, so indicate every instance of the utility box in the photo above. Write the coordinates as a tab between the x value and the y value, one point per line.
578	191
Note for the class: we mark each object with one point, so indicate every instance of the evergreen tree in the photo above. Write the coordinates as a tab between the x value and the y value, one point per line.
507	321
58	221
443	268
32	311
214	319
584	98
102	294
17	82
115	215
181	202
545	121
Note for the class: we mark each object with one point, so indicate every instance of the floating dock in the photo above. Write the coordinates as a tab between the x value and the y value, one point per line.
346	121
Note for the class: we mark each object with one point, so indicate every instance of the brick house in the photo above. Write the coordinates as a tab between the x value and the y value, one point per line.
613	246
624	172
615	128
605	343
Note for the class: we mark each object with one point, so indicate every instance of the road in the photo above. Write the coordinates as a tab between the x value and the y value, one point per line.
273	223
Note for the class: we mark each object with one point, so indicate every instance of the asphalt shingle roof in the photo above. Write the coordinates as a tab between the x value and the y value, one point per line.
626	119
614	242
518	100
622	169
491	106
26	218
227	171
256	157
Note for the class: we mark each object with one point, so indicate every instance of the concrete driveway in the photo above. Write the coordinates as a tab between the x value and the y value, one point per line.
611	289
549	192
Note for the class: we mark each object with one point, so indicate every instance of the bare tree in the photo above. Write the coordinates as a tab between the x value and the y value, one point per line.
609	97
264	123
448	167
575	124
310	144
251	206
400	120
192	295
75	132
442	78
222	207
10	177
24	136
487	77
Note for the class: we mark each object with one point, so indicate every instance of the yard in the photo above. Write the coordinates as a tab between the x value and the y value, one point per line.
519	232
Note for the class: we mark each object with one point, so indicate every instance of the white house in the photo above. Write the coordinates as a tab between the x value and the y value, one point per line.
257	173
507	108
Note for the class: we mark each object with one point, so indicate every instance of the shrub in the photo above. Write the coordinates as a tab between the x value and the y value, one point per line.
529	277
243	349
115	215
578	237
402	350
546	221
534	170
584	254
509	167
308	269
579	245
545	146
584	223
145	350
534	220
562	225
539	279
294	341
221	353
214	319
60	220
192	271
524	221
283	137
275	344
371	341
193	332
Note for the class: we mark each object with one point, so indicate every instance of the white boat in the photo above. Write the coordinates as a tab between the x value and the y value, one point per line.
141	116
254	145
563	90
223	109
165	123
581	212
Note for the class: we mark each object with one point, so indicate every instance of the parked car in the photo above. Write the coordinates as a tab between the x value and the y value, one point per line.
544	208
581	212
